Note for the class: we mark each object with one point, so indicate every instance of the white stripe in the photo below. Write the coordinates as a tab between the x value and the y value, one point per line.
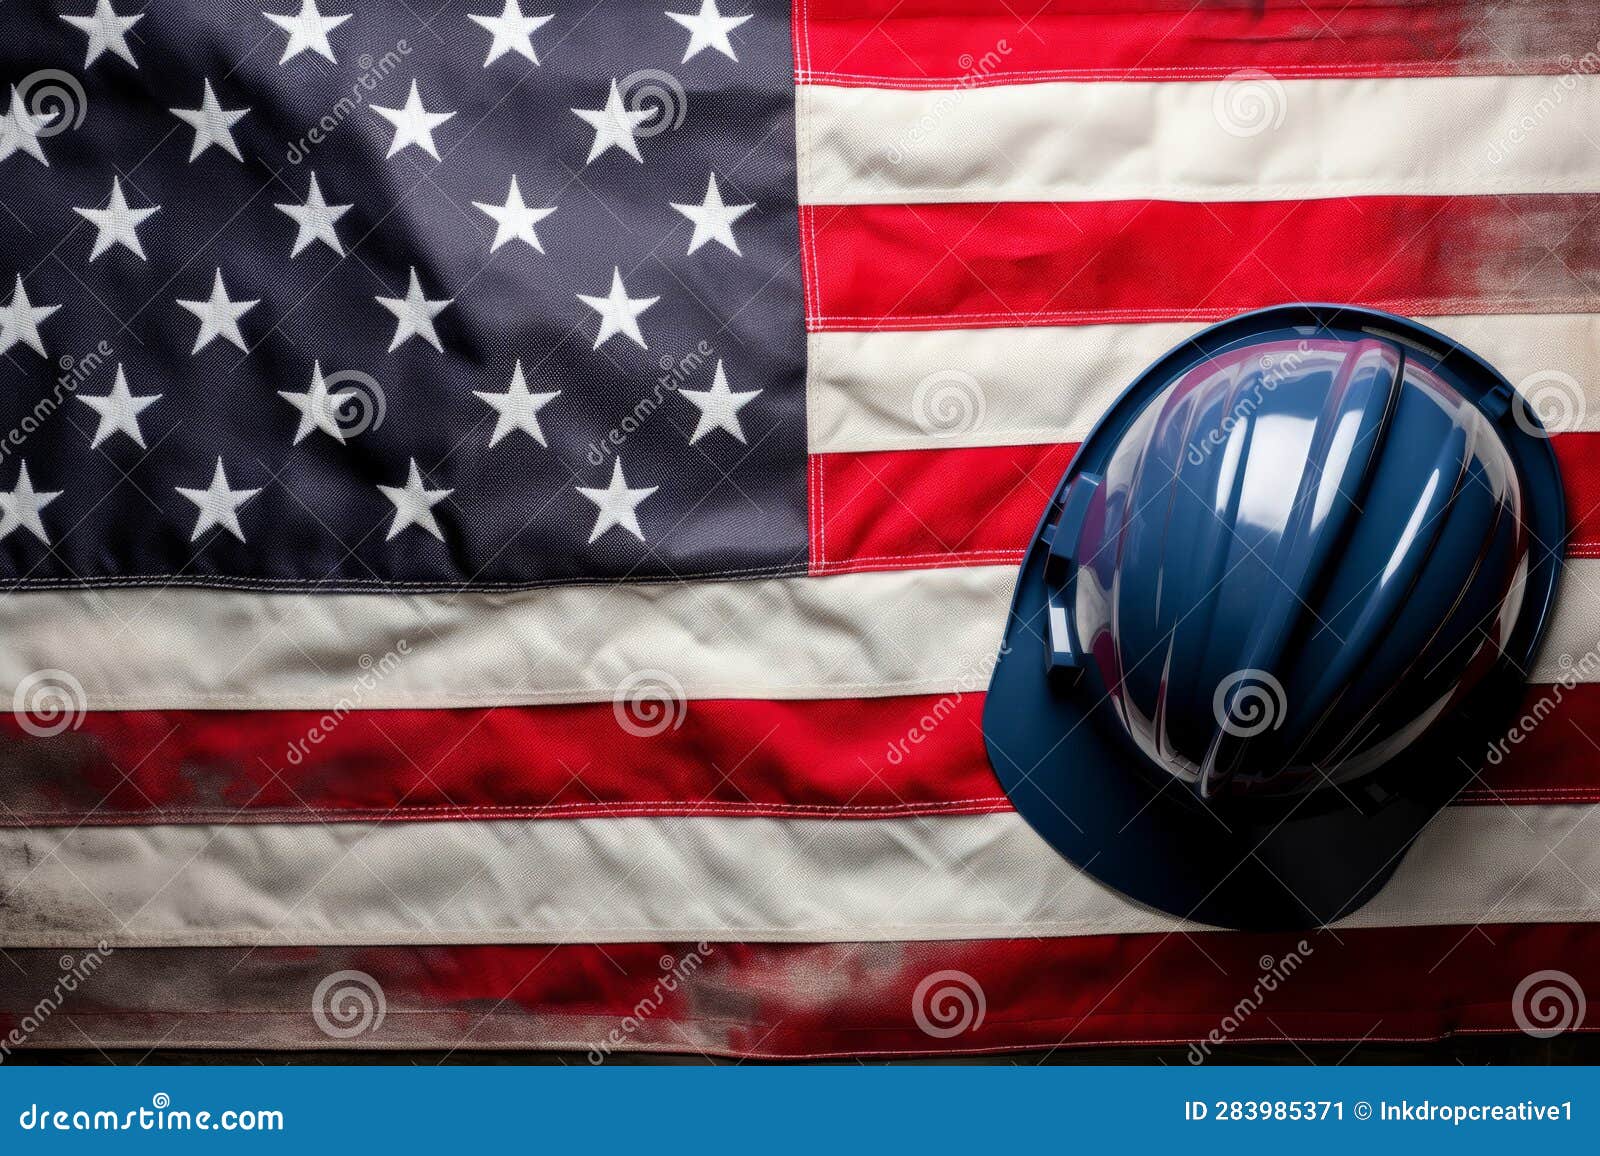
1198	141
909	632
977	387
852	636
599	880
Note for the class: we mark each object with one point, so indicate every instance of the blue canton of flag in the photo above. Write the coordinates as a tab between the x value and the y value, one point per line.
345	299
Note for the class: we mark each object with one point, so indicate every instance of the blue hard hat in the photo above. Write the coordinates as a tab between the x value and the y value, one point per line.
1278	606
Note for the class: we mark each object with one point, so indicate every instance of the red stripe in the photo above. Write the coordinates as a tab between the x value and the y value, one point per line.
867	758
948	43
983	265
1579	455
851	758
914	509
813	1000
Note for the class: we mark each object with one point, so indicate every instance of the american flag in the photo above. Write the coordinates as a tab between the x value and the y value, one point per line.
507	507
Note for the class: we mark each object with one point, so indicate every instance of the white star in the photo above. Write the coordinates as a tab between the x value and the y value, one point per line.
719	406
218	504
518	409
614	124
713	220
708	28
413	124
22	505
619	313
308	32
318	408
19	130
107	32
212	124
219	317
515	219
316	219
413	504
617	504
19	321
414	315
117	223
119	411
513	32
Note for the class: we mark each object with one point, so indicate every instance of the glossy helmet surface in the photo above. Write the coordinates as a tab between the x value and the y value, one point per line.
1286	585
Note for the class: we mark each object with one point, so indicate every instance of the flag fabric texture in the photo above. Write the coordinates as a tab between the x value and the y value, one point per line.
507	509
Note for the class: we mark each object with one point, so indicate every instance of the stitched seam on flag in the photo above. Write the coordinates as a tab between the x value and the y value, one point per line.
1060	435
1004	319
822	520
319	585
316	935
1197	192
890	562
482	697
822	510
982	804
802	38
1417	68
